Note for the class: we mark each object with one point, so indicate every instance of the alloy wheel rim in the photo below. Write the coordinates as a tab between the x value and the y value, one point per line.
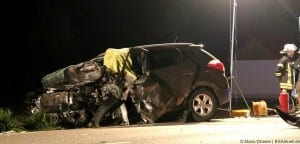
202	104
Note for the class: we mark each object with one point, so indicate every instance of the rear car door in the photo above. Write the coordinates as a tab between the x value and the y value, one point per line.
170	79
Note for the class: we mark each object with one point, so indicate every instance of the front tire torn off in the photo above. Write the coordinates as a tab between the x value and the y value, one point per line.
109	105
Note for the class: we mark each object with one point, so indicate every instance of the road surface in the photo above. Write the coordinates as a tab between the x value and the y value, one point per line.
251	130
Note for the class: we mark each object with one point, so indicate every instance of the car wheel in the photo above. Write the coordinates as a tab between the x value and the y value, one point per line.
202	105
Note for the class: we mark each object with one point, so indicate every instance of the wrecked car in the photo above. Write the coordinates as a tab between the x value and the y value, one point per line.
143	83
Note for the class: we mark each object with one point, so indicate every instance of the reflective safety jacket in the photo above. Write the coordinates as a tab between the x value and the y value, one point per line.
297	68
284	73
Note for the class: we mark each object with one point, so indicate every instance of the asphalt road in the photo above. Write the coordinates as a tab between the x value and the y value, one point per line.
254	130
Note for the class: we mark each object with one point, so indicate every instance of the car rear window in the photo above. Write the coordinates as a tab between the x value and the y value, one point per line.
197	55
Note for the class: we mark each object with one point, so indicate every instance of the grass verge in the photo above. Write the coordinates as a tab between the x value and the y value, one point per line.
8	121
34	122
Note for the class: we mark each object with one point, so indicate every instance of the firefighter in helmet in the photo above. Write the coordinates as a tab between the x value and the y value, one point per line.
284	71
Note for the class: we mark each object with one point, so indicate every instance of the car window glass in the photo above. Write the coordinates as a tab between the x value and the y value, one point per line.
187	54
163	58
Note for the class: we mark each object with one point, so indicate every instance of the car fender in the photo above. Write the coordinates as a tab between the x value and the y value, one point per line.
207	85
216	82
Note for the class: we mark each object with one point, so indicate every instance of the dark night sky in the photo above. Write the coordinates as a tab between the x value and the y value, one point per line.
51	34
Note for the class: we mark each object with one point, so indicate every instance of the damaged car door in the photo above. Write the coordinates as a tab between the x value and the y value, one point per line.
170	77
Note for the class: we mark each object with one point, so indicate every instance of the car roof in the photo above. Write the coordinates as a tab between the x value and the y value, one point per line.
163	45
174	45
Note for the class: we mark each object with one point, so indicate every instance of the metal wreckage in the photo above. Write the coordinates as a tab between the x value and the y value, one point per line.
92	93
105	90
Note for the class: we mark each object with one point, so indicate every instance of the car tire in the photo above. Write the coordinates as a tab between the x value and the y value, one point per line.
202	105
108	106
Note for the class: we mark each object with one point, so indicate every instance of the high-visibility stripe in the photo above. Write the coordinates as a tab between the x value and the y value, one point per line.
286	85
289	73
278	74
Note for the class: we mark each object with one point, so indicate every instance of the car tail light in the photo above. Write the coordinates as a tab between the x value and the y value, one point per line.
216	64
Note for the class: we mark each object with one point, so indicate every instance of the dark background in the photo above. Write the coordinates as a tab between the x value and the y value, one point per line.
45	35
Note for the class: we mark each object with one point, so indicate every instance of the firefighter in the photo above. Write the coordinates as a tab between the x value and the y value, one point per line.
285	73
